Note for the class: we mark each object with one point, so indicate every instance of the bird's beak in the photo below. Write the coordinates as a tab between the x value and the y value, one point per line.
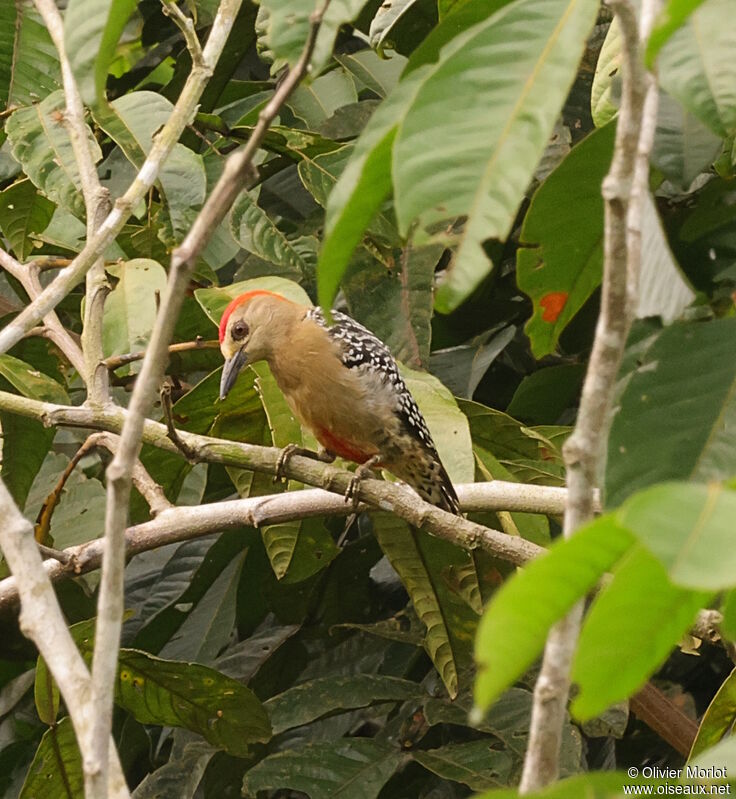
230	372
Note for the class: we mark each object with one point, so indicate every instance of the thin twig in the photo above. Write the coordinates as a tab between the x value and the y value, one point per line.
173	433
584	451
110	602
163	143
186	26
117	361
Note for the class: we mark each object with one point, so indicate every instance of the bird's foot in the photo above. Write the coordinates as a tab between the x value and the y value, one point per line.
323	455
363	471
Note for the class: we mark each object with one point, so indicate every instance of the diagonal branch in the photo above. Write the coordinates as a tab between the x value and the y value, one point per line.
623	191
110	603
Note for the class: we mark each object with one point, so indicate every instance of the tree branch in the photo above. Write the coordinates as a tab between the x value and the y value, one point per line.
584	452
27	276
42	621
117	361
110	600
163	143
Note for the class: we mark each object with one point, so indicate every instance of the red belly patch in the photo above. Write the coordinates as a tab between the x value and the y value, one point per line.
345	449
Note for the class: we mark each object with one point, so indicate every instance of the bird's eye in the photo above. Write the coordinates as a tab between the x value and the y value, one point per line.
239	331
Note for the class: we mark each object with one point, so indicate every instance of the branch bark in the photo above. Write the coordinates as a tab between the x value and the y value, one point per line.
623	191
119	473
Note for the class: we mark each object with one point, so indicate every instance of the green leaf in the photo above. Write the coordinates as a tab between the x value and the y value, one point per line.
483	164
46	693
172	693
689	370
23	212
26	443
256	232
389	13
728	609
545	394
594	785
208	628
350	768
514	627
670	18
287	26
130	309
56	771
380	75
477	764
180	776
315	102
215	300
401	546
689	527
695	67
560	262
29	63
604	92
629	631
31	383
717	721
40	140
312	700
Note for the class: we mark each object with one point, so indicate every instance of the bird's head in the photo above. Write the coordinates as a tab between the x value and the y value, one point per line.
248	329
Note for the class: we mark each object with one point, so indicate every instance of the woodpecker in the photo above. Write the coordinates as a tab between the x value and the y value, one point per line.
342	383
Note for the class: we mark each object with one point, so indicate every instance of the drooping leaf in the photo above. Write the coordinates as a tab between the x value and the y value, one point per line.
30	382
515	624
56	771
317	698
477	764
40	140
718	719
351	767
92	29
130	309
46	693
629	631
687	369
23	212
604	101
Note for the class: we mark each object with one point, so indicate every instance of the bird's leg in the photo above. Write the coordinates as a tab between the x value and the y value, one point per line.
323	455
363	471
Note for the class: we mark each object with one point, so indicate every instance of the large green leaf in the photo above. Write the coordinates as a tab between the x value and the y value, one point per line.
560	263
695	66
130	309
689	370
29	63
40	141
23	212
607	79
689	527
629	631
92	29
26	443
30	382
56	771
462	162
595	785
718	719
322	697
477	764
180	776
669	19
514	627
165	692
350	768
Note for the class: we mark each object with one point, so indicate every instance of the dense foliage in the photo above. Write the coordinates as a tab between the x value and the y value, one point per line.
439	177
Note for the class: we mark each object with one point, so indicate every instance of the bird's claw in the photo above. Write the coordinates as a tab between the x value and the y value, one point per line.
281	463
352	493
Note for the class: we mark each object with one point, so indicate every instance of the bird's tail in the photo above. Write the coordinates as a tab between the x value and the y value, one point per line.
429	478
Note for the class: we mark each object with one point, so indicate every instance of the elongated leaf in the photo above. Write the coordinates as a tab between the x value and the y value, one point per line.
604	101
484	164
688	369
26	443
46	693
322	697
31	383
595	785
380	75
514	627
718	719
315	102
56	771
23	212
400	546
695	69
29	63
180	776
40	141
243	660
388	14
166	692
694	544
130	309
351	768
629	631
561	263
477	764
92	29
